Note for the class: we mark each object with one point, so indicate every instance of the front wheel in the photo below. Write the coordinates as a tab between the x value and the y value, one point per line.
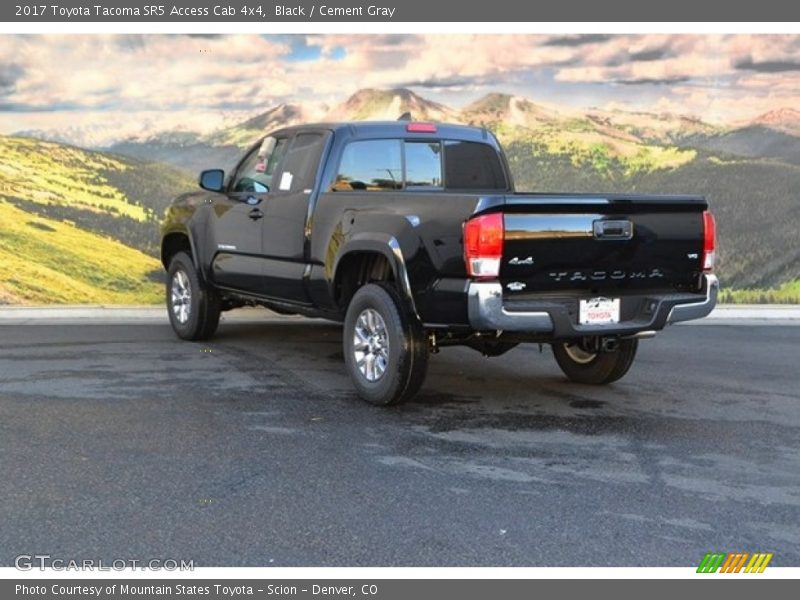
193	309
595	368
385	349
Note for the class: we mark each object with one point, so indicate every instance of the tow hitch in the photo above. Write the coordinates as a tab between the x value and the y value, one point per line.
597	344
609	344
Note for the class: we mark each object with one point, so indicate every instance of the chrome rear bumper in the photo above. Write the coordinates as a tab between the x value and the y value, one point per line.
697	310
487	312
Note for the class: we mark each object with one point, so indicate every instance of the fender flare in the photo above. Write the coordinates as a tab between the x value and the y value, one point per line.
389	247
183	230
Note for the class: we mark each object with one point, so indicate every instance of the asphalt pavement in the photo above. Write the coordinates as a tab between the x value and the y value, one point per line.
122	442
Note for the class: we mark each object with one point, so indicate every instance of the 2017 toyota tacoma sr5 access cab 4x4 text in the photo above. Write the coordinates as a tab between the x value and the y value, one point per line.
411	235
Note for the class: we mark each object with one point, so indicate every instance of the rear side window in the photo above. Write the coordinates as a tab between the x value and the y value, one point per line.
372	165
472	166
300	165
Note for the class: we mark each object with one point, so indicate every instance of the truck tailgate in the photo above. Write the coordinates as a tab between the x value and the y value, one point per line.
599	245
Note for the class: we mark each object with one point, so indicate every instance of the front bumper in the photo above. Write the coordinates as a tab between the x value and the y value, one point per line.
556	319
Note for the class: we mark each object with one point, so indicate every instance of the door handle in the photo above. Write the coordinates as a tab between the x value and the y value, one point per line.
255	214
613	230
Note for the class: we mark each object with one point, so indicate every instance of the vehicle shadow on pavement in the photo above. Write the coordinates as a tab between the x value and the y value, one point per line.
521	380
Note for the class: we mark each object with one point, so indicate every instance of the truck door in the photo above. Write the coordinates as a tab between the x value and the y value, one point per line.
239	217
286	208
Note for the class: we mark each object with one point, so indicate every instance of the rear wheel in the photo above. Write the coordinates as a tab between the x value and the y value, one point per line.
595	368
385	349
193	309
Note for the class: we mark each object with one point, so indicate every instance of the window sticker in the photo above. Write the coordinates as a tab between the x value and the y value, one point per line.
286	181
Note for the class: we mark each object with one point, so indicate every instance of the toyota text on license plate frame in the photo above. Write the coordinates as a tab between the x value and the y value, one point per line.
597	311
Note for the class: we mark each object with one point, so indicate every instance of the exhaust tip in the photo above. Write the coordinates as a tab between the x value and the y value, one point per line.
645	335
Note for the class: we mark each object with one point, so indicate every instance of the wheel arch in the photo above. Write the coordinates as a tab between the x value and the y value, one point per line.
359	252
179	240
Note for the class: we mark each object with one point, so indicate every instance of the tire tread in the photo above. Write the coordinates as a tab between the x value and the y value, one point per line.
412	362
606	368
206	311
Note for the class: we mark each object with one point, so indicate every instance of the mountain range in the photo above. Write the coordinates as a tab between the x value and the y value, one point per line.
775	134
750	171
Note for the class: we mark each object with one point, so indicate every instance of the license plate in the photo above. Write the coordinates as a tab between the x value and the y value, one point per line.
599	310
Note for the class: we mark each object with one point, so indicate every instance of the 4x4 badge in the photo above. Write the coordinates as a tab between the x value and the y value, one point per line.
521	261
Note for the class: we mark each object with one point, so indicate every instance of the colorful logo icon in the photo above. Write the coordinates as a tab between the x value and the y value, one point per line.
734	562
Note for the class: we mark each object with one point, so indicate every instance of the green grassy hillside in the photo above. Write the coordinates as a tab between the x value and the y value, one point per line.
786	293
43	261
576	149
79	226
756	201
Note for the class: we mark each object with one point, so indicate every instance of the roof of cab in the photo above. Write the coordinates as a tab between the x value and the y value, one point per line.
378	129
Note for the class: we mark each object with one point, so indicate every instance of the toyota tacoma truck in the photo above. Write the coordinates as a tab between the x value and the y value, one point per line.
412	236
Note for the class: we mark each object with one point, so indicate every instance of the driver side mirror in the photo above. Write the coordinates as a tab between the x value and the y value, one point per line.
212	180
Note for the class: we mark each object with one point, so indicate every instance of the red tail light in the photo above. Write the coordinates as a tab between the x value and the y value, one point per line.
421	128
709	241
483	245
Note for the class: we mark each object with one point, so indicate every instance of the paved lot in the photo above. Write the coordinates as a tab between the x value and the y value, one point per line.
118	441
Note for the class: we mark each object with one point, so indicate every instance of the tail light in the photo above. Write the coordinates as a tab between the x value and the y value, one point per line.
709	242
483	245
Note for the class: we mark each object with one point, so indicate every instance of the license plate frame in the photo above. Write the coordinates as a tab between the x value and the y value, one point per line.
598	311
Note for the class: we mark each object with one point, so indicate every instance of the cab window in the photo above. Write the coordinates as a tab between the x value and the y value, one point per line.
370	165
473	166
256	171
423	164
392	164
299	168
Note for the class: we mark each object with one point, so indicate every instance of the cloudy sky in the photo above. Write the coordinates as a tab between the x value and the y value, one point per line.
197	82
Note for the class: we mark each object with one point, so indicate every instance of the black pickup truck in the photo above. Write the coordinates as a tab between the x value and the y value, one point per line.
411	234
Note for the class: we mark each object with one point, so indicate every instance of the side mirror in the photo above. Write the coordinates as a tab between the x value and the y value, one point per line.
212	180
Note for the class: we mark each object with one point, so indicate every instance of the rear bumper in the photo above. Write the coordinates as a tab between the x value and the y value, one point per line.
697	310
488	311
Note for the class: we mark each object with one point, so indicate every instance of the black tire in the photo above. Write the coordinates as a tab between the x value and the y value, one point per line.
599	369
203	302
406	356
